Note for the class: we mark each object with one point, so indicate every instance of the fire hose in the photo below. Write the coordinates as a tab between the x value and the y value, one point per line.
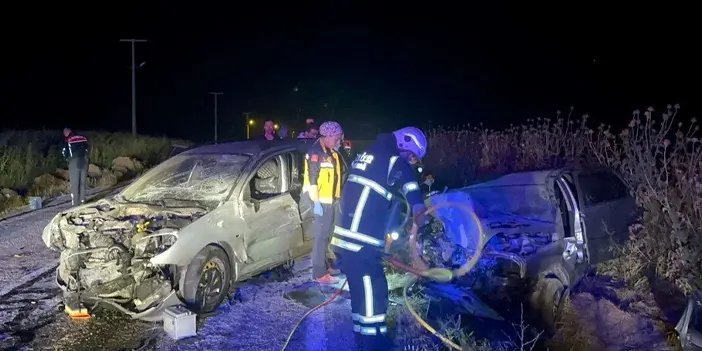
420	269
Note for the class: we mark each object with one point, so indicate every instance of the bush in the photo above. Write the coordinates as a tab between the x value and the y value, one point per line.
29	158
661	160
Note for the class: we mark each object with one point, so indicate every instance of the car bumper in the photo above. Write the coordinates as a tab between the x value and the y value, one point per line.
151	314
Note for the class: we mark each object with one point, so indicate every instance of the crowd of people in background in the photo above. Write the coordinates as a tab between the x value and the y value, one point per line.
309	131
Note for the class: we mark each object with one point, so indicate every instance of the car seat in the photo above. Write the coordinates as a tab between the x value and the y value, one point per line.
266	181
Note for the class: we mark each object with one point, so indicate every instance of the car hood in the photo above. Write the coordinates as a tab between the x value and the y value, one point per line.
498	208
107	216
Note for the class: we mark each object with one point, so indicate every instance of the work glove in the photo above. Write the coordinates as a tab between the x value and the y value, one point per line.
318	210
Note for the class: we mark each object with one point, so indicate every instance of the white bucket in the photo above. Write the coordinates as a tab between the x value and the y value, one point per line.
34	202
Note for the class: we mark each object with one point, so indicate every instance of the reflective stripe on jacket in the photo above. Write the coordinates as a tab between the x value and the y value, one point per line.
323	172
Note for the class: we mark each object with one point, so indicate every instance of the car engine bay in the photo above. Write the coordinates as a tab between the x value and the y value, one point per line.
106	247
499	275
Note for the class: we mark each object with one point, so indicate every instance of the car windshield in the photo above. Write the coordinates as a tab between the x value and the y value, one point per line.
202	179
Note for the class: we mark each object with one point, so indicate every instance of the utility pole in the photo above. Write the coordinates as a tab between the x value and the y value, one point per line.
133	41
215	114
248	125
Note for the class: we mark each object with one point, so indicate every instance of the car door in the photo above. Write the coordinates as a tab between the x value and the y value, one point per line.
271	215
607	210
305	204
574	255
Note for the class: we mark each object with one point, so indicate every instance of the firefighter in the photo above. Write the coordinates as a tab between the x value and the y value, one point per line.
323	180
76	151
365	223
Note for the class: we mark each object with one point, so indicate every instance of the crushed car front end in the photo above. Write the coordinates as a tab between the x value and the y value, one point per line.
517	217
106	249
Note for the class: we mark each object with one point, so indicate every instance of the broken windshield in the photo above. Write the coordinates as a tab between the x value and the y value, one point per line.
526	201
193	178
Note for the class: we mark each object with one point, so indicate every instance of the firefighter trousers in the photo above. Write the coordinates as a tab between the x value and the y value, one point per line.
78	173
368	288
323	227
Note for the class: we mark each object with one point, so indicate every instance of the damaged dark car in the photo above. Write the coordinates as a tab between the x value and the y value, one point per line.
542	231
187	230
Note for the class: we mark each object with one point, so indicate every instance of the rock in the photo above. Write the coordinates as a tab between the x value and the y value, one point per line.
94	171
8	193
47	185
123	164
62	174
9	201
119	173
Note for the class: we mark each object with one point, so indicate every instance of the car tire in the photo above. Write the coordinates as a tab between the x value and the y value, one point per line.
205	282
552	296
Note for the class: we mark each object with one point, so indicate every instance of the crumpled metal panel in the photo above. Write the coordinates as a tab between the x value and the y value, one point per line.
514	200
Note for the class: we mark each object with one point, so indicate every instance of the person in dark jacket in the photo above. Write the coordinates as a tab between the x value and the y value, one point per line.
269	131
310	132
368	218
76	151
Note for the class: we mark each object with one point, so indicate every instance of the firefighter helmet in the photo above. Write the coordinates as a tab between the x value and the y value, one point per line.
411	139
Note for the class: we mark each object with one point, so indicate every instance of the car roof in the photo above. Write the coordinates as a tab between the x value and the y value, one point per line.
539	177
250	147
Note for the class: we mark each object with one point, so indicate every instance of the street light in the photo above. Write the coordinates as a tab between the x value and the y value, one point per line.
275	126
248	129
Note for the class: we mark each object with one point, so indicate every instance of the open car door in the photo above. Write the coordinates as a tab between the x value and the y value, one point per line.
607	210
270	212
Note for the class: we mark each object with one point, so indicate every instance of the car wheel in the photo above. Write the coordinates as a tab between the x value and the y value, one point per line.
205	282
553	295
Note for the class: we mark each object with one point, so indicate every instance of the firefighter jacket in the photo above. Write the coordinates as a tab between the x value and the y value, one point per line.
76	146
374	178
323	173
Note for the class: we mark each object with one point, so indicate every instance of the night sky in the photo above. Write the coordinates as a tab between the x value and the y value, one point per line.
382	65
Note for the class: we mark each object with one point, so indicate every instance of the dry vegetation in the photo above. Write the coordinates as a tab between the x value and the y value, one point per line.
658	154
31	162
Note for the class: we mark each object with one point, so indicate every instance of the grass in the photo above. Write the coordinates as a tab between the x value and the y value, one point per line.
31	162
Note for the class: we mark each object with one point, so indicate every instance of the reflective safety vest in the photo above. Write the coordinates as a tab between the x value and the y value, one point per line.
322	177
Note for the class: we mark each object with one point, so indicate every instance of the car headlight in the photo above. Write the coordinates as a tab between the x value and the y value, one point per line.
48	234
154	243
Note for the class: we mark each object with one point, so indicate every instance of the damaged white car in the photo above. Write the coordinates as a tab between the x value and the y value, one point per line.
542	231
187	230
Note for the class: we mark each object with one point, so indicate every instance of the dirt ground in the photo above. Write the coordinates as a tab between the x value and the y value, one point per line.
603	314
